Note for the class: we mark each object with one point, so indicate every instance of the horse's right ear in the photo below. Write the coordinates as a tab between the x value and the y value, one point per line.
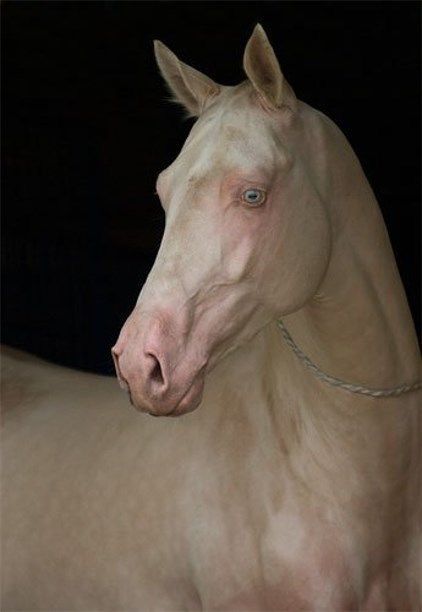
189	87
263	70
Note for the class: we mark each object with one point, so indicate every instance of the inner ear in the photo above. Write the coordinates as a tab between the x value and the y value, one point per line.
263	70
188	86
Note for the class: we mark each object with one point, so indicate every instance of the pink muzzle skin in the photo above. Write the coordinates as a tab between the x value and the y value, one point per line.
153	386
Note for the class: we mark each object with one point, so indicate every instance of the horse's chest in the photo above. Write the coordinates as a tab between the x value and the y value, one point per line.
249	556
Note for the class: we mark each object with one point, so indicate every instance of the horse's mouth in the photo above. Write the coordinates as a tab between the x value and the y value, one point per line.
189	400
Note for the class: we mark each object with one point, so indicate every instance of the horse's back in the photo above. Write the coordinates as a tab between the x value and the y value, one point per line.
57	424
82	496
29	383
19	381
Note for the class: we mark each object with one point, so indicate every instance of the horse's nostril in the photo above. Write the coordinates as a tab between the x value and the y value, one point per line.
156	373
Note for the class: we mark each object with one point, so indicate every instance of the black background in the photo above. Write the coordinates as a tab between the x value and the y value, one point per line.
86	129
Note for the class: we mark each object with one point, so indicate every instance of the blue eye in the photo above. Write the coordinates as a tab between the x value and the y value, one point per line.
254	197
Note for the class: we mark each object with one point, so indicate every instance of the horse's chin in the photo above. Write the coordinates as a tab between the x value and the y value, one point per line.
188	402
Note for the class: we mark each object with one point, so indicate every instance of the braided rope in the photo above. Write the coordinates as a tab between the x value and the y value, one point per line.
337	382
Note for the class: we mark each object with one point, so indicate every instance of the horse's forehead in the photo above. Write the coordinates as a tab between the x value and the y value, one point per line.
241	140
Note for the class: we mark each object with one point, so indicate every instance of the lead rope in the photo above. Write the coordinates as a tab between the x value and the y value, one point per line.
337	382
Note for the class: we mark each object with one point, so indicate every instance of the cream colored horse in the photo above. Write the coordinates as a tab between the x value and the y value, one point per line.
285	489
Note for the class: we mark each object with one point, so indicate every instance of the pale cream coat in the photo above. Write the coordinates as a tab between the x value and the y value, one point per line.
279	492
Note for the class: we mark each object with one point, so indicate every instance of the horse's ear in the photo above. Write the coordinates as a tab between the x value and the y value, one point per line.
263	70
189	87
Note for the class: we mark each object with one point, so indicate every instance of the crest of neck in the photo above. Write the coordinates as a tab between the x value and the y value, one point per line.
358	326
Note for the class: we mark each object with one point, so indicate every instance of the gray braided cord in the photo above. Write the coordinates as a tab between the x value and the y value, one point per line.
337	382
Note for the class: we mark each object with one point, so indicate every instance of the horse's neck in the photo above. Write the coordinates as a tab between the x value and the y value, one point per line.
264	409
358	327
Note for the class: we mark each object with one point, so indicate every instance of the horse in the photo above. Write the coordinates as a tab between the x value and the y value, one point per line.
274	329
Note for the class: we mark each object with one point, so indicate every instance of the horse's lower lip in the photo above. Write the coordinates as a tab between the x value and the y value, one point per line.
187	403
192	398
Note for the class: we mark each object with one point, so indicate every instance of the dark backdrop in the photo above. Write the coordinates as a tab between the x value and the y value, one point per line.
86	128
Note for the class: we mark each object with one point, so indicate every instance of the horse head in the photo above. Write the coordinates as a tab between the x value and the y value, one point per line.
247	234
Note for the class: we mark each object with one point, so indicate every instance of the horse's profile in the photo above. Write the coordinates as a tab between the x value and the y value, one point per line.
294	482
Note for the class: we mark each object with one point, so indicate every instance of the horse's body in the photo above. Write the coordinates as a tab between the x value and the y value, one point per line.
281	492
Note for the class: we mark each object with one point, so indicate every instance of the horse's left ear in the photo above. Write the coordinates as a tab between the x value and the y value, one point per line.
263	70
190	87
